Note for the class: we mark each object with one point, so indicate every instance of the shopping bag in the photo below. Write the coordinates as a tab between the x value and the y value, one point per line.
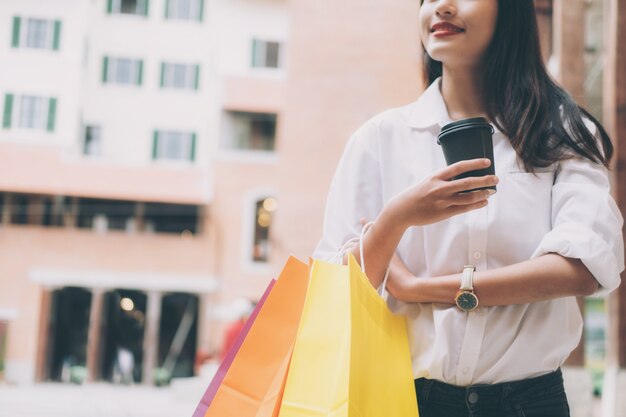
381	373
255	380
219	376
351	357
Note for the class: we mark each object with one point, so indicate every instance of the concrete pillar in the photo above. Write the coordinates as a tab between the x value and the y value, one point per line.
614	96
568	23
43	339
568	34
70	218
94	335
151	336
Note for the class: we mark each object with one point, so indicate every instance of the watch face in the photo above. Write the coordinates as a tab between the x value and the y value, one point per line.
467	301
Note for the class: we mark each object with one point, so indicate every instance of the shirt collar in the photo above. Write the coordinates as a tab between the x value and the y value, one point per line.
430	109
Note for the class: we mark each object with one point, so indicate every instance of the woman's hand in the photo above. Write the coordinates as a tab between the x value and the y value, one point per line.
439	197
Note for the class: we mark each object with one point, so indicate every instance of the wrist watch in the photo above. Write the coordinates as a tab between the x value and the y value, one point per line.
465	298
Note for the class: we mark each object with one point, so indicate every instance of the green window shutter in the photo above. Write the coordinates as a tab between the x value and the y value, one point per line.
254	42
52	112
192	156
109	6
15	42
201	11
8	111
196	81
167	9
57	35
155	145
105	69
145	7
162	74
140	72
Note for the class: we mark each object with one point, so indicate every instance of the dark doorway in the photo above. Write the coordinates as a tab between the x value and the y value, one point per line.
69	327
178	334
122	339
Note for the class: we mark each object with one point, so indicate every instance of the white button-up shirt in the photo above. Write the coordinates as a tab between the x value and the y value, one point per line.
565	209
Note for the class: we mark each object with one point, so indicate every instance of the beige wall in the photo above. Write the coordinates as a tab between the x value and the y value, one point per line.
340	73
348	61
48	170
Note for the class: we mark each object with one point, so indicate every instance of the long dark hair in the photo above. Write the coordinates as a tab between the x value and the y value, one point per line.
543	122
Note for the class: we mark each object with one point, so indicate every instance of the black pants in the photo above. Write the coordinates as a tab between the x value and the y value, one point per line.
543	396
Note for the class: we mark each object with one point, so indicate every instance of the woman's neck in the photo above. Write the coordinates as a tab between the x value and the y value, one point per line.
462	93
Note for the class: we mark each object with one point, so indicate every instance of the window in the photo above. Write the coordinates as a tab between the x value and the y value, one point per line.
171	218
36	33
19	209
39	33
181	76
32	112
263	220
265	54
99	214
250	131
184	9
92	141
122	71
103	215
176	146
55	210
136	7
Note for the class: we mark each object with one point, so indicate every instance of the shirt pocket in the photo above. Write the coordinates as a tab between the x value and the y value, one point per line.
522	213
530	191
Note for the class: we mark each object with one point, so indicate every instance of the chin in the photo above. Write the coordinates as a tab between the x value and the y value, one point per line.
441	54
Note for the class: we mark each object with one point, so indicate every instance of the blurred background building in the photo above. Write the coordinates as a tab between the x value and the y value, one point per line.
160	159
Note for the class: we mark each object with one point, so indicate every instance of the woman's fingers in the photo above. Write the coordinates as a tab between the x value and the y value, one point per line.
472	183
472	197
460	167
456	210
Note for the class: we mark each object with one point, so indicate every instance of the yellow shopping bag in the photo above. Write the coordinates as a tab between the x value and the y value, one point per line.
381	374
351	357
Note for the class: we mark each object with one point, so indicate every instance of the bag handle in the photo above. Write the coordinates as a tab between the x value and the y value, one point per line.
359	241
383	288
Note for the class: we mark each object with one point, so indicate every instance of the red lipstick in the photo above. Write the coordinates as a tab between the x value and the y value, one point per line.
441	29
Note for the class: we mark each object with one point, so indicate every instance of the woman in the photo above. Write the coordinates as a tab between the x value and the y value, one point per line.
550	233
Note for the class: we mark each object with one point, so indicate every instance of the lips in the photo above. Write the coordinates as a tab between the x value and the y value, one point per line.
445	28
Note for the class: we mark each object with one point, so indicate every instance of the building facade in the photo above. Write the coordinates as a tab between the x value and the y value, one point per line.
162	158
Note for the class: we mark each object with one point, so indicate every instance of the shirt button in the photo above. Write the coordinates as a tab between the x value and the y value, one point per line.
477	255
472	398
465	370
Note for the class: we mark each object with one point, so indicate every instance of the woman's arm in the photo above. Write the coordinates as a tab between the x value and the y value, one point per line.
546	277
434	199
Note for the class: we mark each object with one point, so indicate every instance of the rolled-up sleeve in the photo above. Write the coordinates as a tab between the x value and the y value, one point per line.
355	193
586	222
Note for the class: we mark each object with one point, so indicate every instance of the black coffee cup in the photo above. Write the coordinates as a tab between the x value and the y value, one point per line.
467	139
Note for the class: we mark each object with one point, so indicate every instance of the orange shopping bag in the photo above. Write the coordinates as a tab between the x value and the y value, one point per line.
255	380
210	392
